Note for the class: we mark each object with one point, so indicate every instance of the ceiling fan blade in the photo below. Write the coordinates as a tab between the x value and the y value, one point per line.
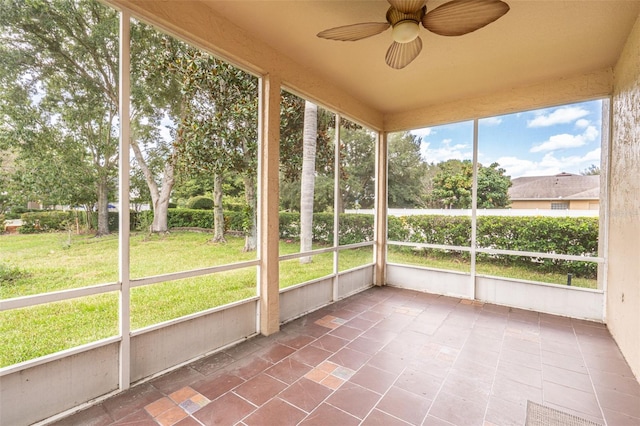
355	31
400	55
407	6
460	17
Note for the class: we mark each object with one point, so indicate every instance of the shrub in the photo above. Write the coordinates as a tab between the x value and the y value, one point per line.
200	202
560	235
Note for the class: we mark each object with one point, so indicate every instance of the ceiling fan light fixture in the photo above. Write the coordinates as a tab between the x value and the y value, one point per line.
405	31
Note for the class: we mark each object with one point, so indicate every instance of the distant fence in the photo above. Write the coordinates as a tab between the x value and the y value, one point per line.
483	212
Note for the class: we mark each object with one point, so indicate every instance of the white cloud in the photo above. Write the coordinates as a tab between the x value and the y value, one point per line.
422	132
445	151
566	140
549	164
490	121
582	123
562	115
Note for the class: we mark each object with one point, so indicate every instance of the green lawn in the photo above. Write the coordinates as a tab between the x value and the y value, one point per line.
32	264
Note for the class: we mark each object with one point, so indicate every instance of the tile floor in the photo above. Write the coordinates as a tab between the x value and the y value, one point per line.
388	356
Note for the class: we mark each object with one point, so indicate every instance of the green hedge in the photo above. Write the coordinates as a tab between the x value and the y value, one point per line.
354	228
561	235
57	220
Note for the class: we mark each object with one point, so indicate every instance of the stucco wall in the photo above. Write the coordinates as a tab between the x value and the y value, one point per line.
623	302
546	204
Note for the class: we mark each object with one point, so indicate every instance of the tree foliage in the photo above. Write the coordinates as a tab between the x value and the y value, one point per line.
452	185
58	80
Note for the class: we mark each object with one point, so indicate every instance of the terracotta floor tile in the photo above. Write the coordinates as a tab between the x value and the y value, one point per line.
226	410
502	412
288	370
136	418
583	402
374	379
298	341
404	405
92	416
457	410
311	355
316	375
330	343
520	373
328	366
171	416
213	387
566	377
277	353
182	394
620	402
378	418
354	399
420	383
177	379
276	412
611	381
188	421
260	389
248	367
328	415
332	382
516	392
360	323
349	358
132	400
616	418
305	394
366	345
391	362
212	363
346	332
160	406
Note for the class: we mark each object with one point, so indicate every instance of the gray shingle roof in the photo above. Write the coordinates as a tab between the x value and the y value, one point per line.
565	186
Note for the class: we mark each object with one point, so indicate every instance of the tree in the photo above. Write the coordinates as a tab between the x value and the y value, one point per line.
357	162
591	170
493	187
58	65
218	133
308	178
453	183
407	173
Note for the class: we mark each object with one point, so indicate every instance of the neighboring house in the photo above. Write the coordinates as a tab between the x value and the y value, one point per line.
564	191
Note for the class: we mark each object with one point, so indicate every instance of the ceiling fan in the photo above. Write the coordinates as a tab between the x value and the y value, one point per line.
454	18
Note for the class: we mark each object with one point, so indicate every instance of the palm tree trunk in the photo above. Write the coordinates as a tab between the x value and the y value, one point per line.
307	184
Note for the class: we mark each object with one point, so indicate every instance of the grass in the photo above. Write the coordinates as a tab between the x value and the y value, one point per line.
455	263
32	264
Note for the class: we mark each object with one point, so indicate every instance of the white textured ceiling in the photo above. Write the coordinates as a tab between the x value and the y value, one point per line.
535	41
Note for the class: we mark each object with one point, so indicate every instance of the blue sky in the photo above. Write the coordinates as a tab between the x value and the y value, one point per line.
534	143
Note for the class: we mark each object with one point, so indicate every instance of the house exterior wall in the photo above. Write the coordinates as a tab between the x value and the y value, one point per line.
623	276
546	204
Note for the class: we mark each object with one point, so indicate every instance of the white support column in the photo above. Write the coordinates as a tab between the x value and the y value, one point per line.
380	217
474	207
269	200
123	195
336	212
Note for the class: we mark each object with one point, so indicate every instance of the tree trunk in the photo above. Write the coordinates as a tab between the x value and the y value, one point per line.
307	181
218	216
103	206
250	239
159	197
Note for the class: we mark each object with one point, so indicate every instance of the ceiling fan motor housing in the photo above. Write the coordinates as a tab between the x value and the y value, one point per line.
406	26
